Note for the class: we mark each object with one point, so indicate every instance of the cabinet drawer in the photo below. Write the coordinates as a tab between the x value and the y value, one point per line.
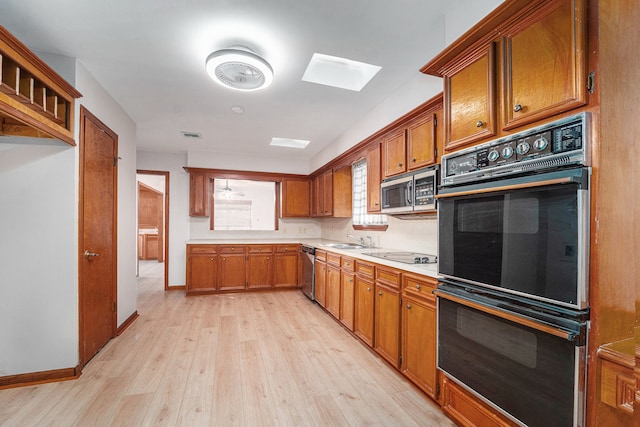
333	259
201	249
231	249
419	286
390	277
364	269
347	264
288	248
321	255
260	249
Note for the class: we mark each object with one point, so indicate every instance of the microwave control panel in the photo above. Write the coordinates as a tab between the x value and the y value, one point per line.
548	146
424	192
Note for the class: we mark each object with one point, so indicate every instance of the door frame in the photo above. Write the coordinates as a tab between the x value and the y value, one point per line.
165	248
85	113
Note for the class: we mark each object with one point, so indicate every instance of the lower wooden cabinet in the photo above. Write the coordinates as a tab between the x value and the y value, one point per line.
419	344
387	324
332	291
363	312
202	269
220	268
467	410
320	281
287	259
347	299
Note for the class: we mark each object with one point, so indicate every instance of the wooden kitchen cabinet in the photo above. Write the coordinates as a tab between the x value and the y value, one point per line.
469	99
544	64
387	314
363	325
260	265
374	179
332	193
199	189
411	146
232	268
202	269
320	277
394	153
332	290
286	266
419	344
525	64
296	198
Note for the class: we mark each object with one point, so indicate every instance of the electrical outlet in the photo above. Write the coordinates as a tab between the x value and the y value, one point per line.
299	230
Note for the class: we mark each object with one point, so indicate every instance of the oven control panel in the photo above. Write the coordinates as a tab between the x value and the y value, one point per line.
549	146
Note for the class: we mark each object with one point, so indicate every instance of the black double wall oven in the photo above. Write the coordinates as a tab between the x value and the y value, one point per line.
513	237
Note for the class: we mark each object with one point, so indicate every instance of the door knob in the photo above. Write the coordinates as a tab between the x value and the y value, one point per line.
88	254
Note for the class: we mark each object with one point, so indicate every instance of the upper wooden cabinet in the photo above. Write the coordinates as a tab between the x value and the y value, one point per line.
544	64
199	193
524	63
373	179
410	146
469	95
34	100
296	197
332	192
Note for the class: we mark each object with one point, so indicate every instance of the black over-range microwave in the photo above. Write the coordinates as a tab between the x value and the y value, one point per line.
410	193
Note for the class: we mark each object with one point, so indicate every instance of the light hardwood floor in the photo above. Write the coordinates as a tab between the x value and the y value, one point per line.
255	359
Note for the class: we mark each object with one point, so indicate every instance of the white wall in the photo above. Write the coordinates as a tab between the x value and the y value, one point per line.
39	229
38	256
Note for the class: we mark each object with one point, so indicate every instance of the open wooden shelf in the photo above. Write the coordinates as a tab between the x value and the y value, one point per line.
34	100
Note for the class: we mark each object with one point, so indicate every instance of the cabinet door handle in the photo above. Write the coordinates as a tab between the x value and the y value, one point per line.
399	165
408	306
379	293
211	259
368	289
479	123
517	108
413	160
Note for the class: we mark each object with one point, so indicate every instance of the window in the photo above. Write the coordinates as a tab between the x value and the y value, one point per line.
361	219
239	204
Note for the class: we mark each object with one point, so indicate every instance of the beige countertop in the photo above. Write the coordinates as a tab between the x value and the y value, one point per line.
430	270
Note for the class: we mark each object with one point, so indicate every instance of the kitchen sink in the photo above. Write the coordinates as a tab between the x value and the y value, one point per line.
344	245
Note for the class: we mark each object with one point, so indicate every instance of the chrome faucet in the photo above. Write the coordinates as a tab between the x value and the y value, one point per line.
369	242
359	239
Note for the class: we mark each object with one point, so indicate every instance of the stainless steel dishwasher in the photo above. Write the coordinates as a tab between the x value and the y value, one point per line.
308	271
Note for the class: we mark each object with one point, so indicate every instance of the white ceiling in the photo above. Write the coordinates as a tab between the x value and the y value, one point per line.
149	55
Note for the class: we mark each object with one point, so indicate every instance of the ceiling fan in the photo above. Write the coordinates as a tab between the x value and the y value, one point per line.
226	192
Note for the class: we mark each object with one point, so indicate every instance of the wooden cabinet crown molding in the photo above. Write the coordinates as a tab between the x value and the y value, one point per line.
35	101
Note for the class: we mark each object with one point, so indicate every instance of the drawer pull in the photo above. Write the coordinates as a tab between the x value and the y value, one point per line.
479	124
418	287
408	306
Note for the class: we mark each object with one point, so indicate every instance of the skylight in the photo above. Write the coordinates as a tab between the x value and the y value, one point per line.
288	142
339	72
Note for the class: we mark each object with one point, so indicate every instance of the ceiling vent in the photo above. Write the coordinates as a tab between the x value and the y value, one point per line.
191	135
239	68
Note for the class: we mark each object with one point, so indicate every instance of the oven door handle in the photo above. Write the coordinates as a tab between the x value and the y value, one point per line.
564	180
569	336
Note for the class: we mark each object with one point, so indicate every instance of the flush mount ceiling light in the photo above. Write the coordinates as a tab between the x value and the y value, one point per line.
288	142
239	68
339	72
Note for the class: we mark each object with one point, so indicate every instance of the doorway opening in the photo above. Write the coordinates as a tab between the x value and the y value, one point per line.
153	225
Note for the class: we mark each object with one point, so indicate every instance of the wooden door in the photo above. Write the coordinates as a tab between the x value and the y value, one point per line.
387	324
97	235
